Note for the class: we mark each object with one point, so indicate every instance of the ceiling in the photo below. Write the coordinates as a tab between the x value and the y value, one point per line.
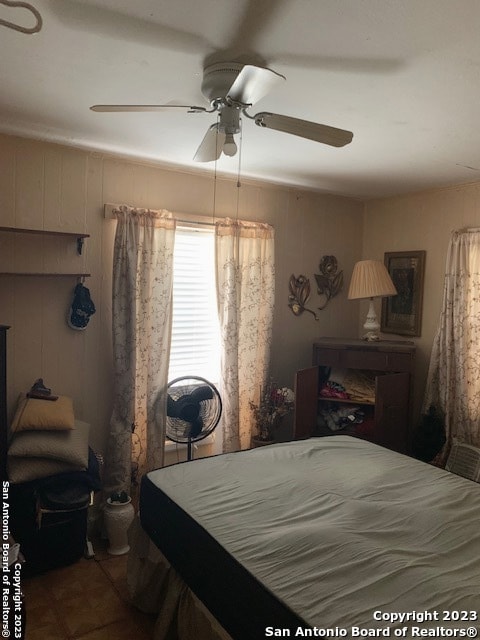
403	75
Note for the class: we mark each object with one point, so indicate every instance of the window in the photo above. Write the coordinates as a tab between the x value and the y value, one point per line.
195	348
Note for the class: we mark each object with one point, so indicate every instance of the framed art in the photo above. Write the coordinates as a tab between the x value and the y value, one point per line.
402	314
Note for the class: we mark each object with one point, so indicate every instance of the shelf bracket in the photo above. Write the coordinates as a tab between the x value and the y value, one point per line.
80	246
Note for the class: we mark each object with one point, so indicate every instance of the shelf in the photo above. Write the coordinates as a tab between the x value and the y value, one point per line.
387	404
45	232
368	403
45	275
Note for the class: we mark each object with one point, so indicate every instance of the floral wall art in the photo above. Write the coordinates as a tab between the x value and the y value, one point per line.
329	284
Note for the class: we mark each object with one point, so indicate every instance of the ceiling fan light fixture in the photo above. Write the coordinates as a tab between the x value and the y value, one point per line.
229	146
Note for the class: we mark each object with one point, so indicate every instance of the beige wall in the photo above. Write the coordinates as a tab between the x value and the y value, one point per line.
415	222
54	187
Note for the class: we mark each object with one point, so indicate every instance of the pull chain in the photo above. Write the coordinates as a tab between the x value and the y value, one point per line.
215	177
239	184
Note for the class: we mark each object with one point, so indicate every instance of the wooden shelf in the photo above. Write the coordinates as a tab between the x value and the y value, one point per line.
45	275
346	401
45	232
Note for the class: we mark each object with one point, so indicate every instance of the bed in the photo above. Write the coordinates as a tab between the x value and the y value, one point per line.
317	534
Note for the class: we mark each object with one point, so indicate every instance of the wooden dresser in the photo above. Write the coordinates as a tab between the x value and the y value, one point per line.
389	367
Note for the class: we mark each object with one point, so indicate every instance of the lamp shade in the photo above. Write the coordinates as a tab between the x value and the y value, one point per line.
370	279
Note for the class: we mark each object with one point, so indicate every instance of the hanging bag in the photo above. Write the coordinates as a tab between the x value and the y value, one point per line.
82	308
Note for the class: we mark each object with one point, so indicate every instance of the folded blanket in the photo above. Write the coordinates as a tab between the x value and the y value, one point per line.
53	476
68	447
23	469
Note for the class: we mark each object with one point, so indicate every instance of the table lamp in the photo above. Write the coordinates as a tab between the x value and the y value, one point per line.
370	279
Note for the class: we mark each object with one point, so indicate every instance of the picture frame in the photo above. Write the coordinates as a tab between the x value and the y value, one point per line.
402	314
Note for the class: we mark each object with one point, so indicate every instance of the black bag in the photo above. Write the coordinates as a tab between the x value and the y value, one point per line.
48	517
429	437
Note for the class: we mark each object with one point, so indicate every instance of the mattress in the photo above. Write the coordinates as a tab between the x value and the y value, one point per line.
325	533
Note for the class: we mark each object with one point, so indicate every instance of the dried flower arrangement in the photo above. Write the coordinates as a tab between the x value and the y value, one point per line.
275	403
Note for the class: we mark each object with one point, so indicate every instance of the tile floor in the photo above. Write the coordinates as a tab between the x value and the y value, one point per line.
84	601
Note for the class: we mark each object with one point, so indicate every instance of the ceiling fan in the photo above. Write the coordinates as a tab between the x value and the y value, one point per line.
232	88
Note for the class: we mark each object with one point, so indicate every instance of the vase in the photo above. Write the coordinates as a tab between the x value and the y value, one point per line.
118	517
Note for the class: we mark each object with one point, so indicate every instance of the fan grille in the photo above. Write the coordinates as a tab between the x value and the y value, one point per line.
194	408
464	460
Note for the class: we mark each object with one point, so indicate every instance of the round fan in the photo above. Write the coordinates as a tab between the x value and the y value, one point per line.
194	408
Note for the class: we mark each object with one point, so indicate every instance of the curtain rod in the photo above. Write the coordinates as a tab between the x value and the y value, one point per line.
108	212
201	222
108	209
207	224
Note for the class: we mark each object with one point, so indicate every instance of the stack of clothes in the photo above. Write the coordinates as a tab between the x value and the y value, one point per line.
52	473
353	385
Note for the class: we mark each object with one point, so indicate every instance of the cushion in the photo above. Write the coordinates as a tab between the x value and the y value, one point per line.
27	469
44	415
64	446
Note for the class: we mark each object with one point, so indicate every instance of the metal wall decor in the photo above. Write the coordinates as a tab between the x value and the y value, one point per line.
329	284
299	294
329	281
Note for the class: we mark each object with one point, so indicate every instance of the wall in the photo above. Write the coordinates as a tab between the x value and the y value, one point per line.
56	187
47	186
421	221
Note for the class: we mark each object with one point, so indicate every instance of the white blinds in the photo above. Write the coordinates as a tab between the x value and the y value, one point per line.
195	349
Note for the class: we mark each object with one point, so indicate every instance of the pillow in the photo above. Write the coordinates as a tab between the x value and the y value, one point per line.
64	446
43	415
26	469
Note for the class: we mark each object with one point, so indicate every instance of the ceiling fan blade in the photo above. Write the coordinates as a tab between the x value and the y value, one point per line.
144	107
304	129
252	83
211	146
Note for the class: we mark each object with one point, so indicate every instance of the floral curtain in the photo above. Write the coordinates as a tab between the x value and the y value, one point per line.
246	291
142	296
453	383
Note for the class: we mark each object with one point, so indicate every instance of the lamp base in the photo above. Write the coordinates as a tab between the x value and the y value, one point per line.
371	336
371	326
